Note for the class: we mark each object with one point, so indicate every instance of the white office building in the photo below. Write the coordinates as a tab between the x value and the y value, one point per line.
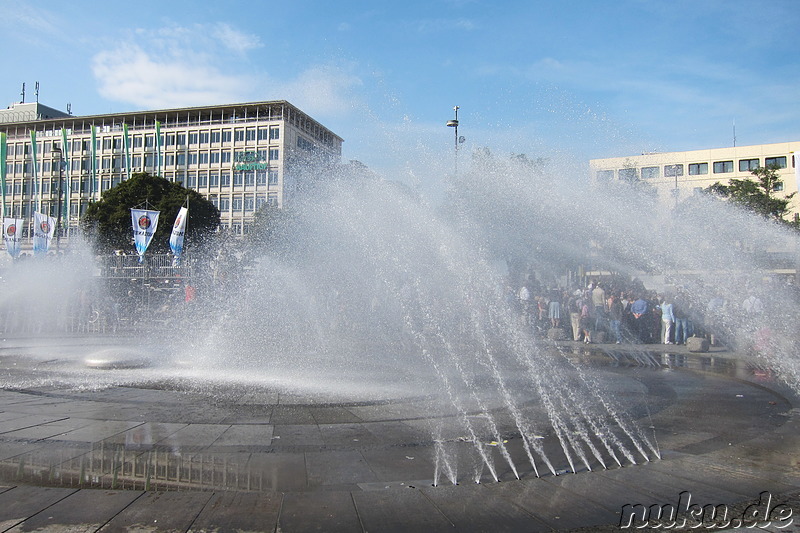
239	156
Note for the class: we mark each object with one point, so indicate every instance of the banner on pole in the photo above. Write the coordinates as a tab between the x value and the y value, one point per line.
144	223
178	231
12	235
43	228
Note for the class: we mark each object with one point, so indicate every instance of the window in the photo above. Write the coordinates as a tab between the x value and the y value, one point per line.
250	179
170	139
214	157
672	171
237	203
169	160
203	158
778	186
213	179
275	133
273	176
192	138
204	137
226	136
649	172
226	156
225	179
117	143
251	134
273	154
746	165
202	180
136	161
779	162
260	200
191	180
272	199
193	157
181	161
180	139
627	174
261	177
249	202
216	136
149	141
723	167
150	161
106	144
238	135
224	204
697	169
238	179
263	134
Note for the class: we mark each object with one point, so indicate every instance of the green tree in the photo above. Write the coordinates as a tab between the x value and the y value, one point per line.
108	220
757	195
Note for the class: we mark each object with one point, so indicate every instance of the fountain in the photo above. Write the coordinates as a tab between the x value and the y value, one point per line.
371	345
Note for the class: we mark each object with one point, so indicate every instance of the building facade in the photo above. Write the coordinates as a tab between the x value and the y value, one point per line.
238	156
677	175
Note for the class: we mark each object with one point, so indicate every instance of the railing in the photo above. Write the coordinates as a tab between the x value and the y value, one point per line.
153	266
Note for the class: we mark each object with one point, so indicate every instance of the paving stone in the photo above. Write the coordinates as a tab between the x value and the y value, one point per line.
159	511
22	502
399	510
82	511
328	512
237	512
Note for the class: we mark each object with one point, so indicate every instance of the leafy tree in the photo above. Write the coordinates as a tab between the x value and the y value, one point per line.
109	219
757	195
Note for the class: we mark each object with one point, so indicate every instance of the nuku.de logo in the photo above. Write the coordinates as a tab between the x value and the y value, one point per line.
686	514
144	222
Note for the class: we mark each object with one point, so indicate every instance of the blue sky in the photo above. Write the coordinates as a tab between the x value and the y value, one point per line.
582	78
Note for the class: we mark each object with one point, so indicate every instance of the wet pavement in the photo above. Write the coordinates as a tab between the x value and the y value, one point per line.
156	456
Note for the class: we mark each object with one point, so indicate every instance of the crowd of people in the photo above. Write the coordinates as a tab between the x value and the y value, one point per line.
615	312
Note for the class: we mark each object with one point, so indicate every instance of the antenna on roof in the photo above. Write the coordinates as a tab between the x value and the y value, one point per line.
23	93
69	108
734	133
36	92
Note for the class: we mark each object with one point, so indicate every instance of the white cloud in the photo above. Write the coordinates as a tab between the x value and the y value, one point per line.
236	40
175	66
179	66
129	74
325	89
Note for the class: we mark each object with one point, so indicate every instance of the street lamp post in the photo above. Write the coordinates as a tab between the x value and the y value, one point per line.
60	192
454	124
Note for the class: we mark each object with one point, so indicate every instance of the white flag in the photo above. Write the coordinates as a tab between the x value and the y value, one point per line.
144	223
178	230
12	234
43	228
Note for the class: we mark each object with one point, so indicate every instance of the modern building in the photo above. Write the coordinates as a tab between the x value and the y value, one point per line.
239	156
677	175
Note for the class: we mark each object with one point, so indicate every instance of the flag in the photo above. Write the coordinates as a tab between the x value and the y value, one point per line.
3	155
127	151
144	223
94	162
158	148
67	185
12	235
178	230
43	228
35	163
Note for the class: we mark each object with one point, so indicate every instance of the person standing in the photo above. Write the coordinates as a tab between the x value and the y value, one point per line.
681	317
615	311
639	311
667	320
599	302
574	305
